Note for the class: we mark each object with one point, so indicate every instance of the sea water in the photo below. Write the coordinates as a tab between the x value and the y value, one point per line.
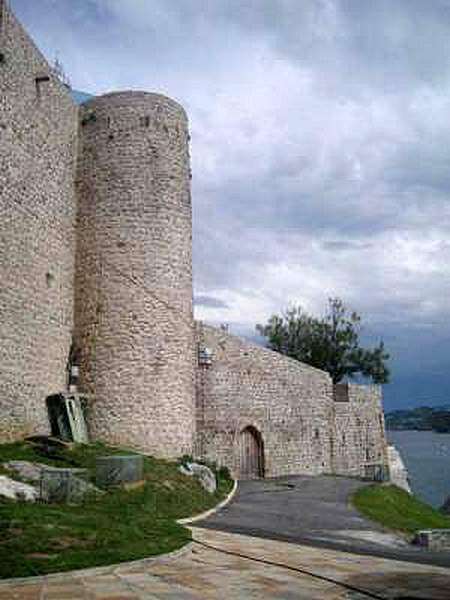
426	455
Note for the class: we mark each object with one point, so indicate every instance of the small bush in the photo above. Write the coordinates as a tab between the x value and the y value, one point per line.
185	459
224	473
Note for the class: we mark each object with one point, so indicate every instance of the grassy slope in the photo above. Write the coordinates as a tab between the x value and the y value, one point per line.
396	509
118	526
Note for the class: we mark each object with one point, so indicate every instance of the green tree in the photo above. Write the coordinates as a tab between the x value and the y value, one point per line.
330	343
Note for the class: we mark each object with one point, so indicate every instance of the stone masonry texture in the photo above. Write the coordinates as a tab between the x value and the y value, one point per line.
359	438
38	138
133	310
96	271
289	403
306	425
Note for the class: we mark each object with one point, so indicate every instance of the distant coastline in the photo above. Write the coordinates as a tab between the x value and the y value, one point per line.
424	418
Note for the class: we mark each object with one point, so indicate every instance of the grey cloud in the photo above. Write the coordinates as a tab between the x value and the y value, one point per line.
382	43
346	245
209	301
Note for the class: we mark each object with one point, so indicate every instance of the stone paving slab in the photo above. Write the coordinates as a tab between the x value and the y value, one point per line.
221	565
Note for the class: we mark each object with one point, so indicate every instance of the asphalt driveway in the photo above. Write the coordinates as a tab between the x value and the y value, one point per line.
313	511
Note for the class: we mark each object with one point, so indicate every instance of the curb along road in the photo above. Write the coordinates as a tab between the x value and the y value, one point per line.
211	511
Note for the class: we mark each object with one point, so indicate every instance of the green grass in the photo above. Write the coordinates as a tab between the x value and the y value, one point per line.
118	526
396	509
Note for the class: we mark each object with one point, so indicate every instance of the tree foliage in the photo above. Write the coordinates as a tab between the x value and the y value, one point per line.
330	343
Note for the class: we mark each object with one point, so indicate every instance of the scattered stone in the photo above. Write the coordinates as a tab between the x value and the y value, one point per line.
65	485
54	484
25	469
119	470
201	472
433	539
16	490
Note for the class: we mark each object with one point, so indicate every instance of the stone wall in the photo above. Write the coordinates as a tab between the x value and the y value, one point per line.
134	324
95	246
398	473
289	403
436	540
38	131
359	439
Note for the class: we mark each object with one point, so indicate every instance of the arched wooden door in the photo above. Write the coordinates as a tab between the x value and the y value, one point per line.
251	455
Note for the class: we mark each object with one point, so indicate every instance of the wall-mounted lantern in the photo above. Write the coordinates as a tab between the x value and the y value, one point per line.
74	373
204	356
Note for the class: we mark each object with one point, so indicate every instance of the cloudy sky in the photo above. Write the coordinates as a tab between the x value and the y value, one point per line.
320	150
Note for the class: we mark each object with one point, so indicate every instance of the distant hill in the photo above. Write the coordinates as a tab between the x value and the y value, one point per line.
80	97
425	418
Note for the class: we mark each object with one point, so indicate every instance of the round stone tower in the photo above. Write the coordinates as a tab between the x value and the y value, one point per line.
133	305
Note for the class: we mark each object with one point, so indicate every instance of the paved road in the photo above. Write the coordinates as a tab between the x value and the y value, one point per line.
219	566
314	511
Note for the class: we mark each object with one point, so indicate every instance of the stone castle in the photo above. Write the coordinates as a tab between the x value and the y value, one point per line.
96	271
